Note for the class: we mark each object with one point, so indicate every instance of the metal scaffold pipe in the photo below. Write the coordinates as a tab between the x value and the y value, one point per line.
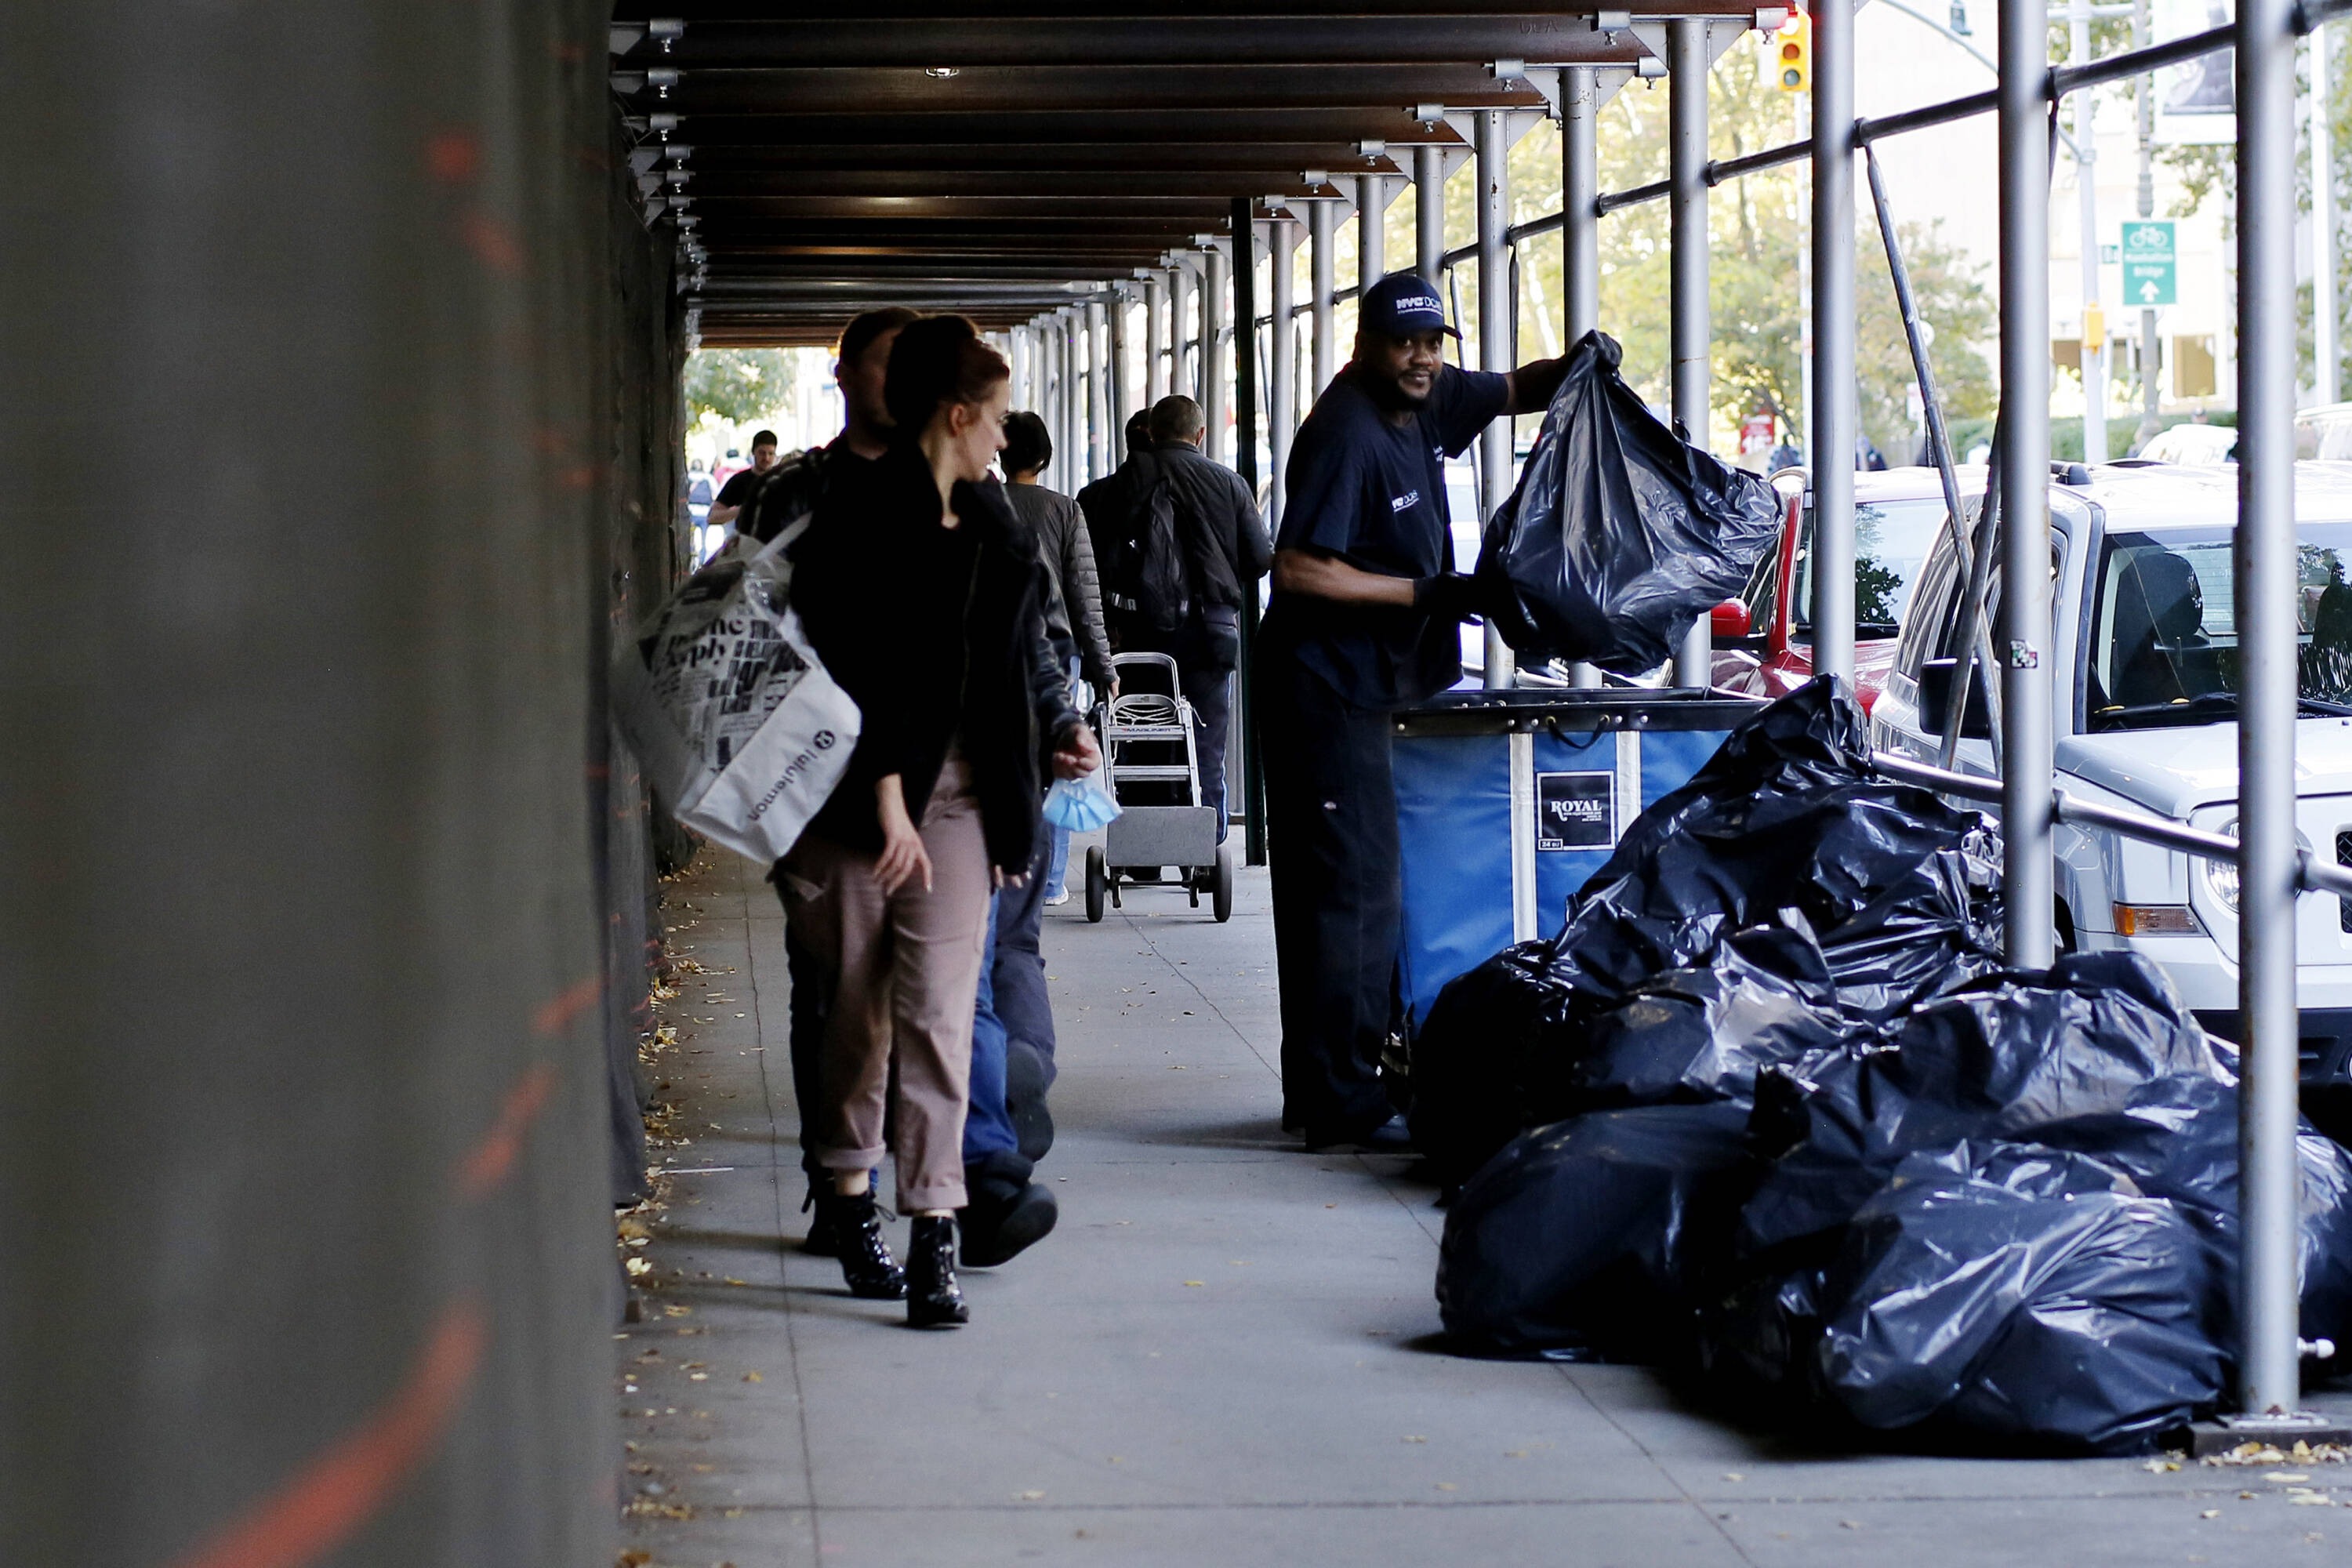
1282	363
2270	1176
2094	336
1492	156
1371	230
1252	767
1321	215
1098	425
1155	337
2022	643
1181	373
1429	210
1686	77
2325	349
1215	367
1122	386
1579	109
1833	353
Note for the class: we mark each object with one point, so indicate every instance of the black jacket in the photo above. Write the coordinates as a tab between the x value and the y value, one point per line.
1225	541
922	681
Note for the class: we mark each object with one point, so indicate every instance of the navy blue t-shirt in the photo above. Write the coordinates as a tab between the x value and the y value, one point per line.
1373	494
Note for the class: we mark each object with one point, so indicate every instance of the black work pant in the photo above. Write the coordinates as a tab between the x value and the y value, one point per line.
811	1000
1205	652
1338	902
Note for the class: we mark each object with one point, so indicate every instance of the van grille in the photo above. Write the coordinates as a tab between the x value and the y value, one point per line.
2344	857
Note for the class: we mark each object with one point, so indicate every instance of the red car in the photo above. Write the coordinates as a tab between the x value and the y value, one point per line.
1763	638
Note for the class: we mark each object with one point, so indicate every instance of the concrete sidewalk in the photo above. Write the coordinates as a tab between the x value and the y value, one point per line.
1218	1357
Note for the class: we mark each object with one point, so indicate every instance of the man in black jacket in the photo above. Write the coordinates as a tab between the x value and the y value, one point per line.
1105	503
1224	545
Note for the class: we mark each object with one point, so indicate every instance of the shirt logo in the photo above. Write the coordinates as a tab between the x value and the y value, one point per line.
1404	502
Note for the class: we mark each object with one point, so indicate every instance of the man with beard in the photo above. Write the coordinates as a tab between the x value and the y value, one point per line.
1363	620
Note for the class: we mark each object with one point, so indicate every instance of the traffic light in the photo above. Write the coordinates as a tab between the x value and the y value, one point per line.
1794	53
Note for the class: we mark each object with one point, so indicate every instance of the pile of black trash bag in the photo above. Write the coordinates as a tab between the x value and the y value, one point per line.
1746	917
1846	1171
1621	533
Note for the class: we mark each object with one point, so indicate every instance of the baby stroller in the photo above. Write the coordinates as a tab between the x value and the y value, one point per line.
1154	774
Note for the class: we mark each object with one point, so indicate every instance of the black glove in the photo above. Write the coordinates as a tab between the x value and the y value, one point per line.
1452	596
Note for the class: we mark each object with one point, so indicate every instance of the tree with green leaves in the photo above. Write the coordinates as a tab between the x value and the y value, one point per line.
742	386
1757	227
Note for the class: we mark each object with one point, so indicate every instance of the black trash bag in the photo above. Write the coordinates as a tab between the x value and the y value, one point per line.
1499	1043
1895	883
2179	1141
2086	1056
1766	998
1584	1239
2014	1291
1620	534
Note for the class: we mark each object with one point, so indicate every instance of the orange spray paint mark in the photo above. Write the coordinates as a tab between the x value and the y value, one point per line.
327	1501
481	1171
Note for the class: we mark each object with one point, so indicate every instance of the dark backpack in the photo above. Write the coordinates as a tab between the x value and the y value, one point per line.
1151	579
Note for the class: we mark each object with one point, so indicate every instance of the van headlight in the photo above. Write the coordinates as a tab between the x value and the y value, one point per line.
2221	881
2221	876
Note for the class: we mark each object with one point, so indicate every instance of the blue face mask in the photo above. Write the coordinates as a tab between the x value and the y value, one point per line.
1080	805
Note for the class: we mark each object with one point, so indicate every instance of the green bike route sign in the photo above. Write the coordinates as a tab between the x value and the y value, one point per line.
2151	271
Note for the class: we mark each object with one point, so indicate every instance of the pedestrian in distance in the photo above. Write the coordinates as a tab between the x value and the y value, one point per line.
1217	544
740	487
1074	617
1104	503
1363	620
923	595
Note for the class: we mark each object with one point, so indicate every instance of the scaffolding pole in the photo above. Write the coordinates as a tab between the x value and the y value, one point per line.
1098	426
1429	210
1215	341
1686	80
1580	240
2269	1382
1833	360
1371	230
1245	318
1155	337
1282	364
1122	389
1320	216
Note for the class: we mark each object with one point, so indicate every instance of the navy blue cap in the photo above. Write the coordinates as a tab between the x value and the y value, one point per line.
1401	304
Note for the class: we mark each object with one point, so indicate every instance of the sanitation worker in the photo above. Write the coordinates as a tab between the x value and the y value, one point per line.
1363	620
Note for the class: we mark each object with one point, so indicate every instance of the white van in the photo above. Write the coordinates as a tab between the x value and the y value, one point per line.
2144	652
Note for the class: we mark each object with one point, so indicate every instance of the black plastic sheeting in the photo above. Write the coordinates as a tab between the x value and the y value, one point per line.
1784	876
314	876
1620	533
1914	1195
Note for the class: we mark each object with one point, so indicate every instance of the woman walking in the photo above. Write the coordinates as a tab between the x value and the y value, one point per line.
924	597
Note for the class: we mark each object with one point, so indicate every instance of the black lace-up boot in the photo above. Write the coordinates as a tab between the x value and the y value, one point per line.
865	1261
932	1299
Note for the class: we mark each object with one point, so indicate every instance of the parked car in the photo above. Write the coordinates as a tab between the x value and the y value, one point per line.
1763	638
2144	651
2324	433
2191	444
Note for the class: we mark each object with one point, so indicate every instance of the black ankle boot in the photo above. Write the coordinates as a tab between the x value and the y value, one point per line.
932	1299
865	1261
